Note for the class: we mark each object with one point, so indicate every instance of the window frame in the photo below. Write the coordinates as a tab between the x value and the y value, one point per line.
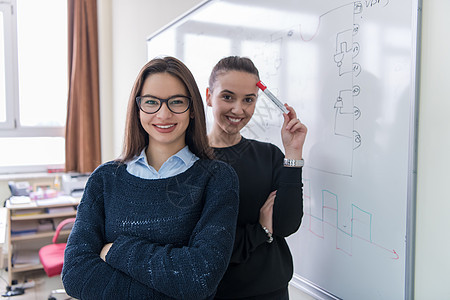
11	82
12	127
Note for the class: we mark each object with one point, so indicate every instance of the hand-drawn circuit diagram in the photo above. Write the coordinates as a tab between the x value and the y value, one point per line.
332	148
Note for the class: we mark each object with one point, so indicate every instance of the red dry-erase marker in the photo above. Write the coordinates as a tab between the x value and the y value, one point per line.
272	97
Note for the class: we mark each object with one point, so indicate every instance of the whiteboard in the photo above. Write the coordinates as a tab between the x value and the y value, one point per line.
349	70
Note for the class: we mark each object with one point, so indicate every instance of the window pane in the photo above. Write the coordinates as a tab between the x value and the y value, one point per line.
32	151
42	50
2	71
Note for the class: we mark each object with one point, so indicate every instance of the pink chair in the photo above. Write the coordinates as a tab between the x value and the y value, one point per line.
52	256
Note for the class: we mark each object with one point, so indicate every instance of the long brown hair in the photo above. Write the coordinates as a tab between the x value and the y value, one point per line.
136	138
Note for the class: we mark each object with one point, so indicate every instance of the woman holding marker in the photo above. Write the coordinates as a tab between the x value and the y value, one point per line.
159	222
271	204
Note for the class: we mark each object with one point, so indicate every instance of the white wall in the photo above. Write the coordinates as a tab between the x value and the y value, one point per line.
125	25
105	68
433	174
132	21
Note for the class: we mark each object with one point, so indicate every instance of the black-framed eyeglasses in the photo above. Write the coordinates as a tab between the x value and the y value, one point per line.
177	104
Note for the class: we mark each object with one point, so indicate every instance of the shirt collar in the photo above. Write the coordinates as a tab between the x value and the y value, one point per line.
185	155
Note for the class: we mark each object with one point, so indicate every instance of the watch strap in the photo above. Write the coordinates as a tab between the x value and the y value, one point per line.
293	163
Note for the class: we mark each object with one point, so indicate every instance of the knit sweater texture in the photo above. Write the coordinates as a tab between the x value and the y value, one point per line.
259	270
172	238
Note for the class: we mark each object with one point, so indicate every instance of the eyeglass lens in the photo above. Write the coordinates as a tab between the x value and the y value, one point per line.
177	104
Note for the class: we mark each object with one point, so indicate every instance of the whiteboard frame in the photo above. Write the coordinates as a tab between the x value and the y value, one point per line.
412	168
304	284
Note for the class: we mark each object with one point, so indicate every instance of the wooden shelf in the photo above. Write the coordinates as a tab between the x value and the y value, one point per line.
40	235
33	205
44	216
26	267
40	214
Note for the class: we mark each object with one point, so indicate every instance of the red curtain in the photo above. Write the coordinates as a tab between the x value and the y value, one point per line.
83	152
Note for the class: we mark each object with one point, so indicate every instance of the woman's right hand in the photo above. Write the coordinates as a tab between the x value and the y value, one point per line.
293	134
266	212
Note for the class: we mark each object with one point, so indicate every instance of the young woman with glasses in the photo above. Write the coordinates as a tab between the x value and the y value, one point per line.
270	183
159	222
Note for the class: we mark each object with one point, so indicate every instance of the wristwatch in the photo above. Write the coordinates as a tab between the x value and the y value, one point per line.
293	163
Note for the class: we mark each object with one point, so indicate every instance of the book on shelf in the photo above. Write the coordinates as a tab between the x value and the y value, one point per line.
46	225
26	212
25	257
57	210
24	227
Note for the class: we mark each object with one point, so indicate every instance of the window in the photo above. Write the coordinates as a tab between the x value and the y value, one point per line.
33	84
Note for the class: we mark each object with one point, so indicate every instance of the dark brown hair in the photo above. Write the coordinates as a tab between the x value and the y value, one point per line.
232	63
136	138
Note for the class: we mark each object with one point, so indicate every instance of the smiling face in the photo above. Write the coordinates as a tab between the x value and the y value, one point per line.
233	99
165	128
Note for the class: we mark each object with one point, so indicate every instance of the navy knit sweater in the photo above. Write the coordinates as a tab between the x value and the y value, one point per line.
172	238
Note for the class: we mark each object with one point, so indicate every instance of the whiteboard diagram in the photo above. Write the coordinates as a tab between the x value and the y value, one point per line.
340	138
359	224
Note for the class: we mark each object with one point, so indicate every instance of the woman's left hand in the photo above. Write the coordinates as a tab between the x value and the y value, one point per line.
293	134
105	251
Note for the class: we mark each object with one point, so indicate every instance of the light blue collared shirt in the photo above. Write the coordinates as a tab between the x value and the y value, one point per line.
174	165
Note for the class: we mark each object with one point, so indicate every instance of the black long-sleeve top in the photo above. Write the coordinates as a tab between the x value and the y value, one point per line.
259	269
